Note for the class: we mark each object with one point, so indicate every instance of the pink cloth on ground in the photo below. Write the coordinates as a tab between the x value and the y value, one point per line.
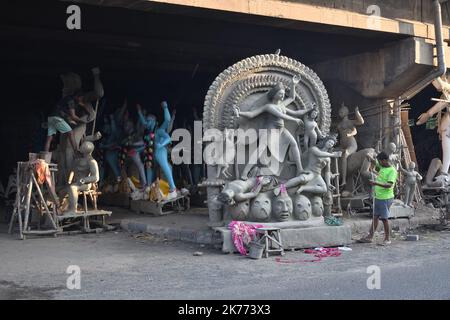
243	234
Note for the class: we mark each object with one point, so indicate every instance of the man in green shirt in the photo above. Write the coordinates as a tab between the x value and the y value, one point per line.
384	196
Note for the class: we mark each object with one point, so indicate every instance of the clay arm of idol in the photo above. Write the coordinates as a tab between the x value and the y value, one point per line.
328	176
288	101
98	91
324	154
141	116
172	121
254	113
248	195
419	176
274	111
94	173
359	121
319	132
438	107
166	122
74	116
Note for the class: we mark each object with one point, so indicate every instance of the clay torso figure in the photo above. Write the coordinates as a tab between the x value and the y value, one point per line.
411	179
312	131
277	111
85	173
347	133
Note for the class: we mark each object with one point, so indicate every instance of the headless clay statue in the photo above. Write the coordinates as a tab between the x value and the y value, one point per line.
85	173
442	85
347	133
411	179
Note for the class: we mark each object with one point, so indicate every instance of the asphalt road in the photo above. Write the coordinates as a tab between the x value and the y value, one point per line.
118	265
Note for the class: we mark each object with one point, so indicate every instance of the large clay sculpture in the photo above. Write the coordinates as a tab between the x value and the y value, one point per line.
442	85
347	133
271	95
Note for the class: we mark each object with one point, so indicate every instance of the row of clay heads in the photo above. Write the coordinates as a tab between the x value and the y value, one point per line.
266	206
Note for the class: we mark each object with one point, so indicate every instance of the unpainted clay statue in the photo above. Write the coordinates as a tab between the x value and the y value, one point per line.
83	103
241	190
110	147
317	207
434	178
302	207
312	130
347	133
278	112
442	85
282	206
239	211
132	146
311	179
261	208
394	158
411	179
359	161
85	174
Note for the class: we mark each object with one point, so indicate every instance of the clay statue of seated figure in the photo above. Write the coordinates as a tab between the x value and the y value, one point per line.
83	176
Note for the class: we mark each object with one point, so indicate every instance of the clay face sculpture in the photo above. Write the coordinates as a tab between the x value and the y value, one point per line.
282	206
240	210
316	206
261	208
302	209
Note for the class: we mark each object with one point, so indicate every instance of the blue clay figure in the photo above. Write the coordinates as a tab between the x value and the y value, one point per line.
157	140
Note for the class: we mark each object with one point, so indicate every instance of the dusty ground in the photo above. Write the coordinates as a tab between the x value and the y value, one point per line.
118	265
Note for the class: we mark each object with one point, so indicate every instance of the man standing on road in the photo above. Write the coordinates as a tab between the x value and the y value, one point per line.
384	196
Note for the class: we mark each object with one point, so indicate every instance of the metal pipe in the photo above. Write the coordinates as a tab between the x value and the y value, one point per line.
441	67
